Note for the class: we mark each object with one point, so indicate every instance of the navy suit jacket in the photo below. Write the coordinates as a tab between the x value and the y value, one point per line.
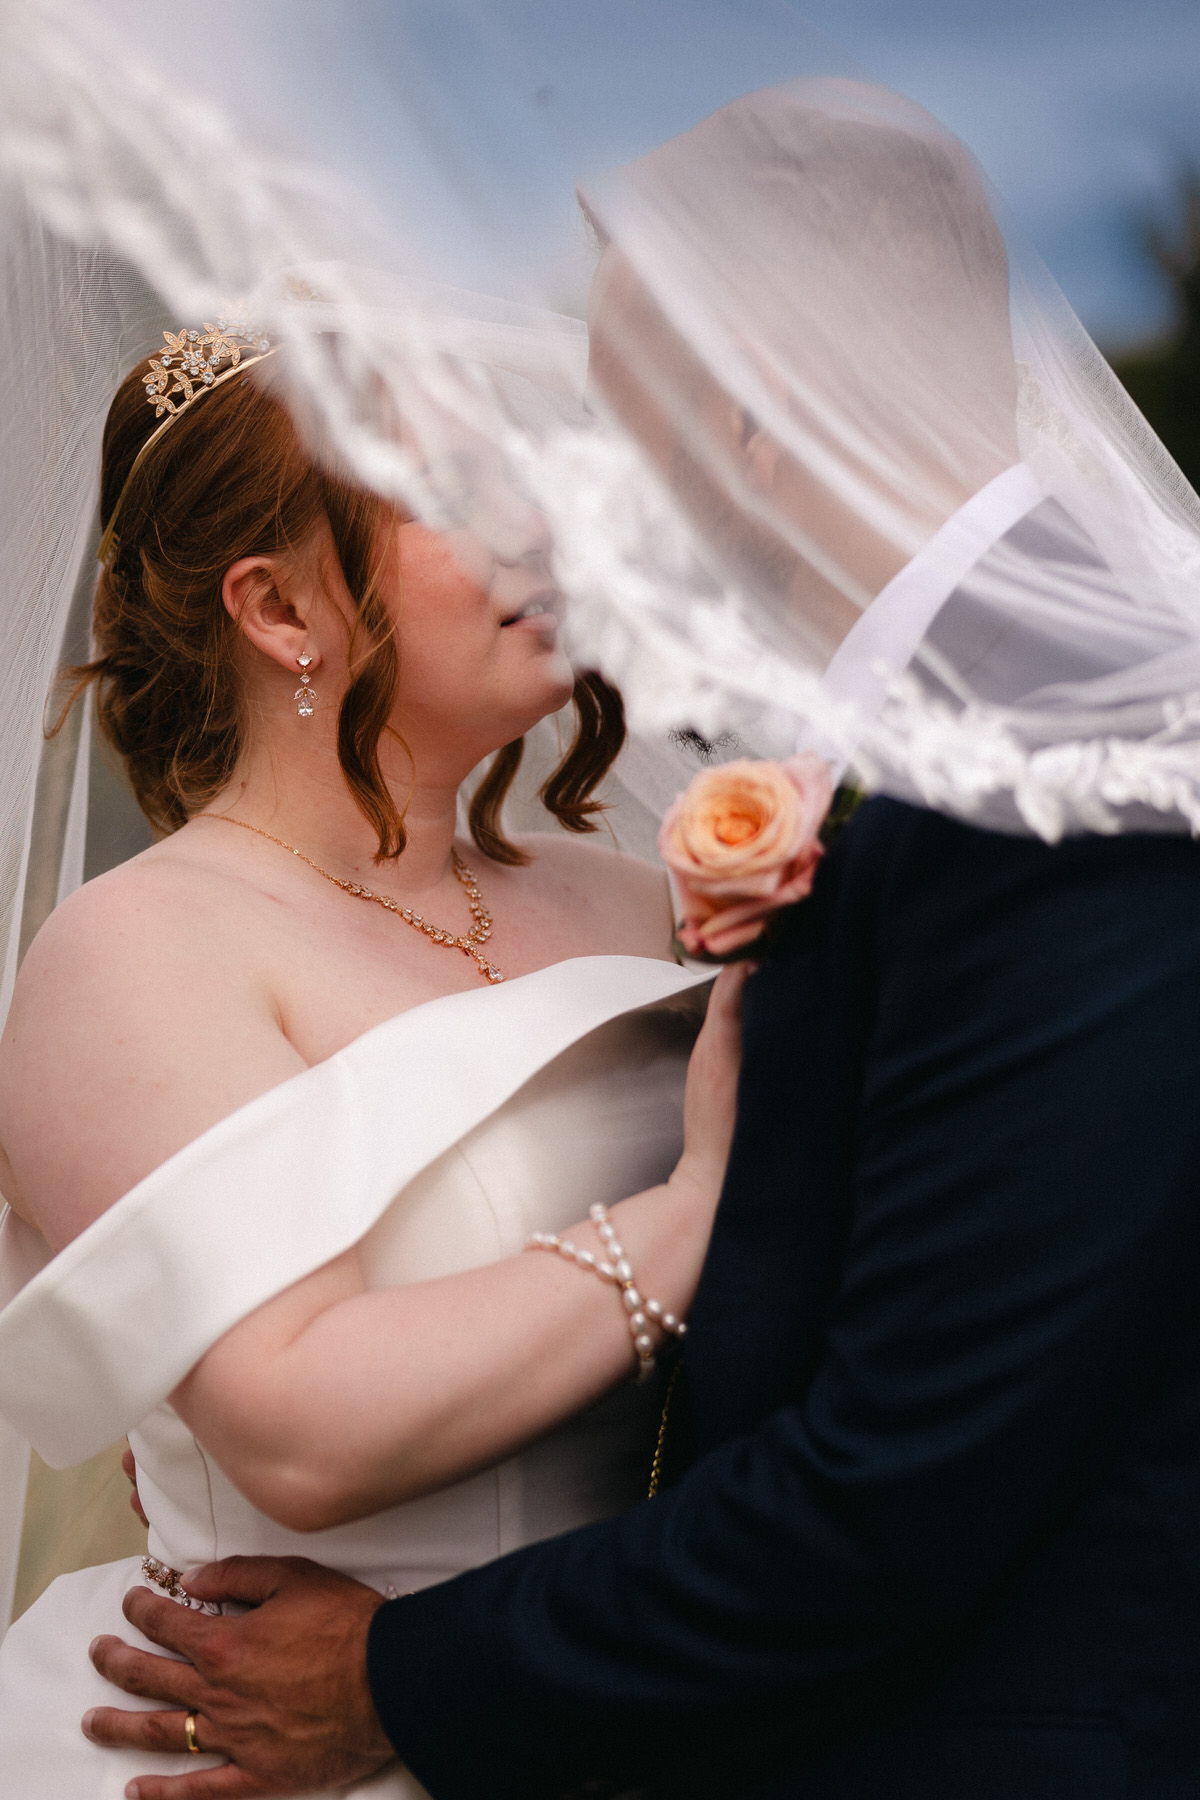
939	1529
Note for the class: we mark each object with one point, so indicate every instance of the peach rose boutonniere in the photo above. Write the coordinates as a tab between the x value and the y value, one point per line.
742	843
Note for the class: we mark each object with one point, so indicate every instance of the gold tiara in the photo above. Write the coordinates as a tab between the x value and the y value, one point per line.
189	366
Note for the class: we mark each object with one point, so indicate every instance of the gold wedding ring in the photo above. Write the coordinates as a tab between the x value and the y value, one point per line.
189	1733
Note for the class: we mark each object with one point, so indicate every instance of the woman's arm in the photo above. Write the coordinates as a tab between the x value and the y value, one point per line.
332	1402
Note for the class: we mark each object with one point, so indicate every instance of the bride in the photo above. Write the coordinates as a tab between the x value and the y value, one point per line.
288	1093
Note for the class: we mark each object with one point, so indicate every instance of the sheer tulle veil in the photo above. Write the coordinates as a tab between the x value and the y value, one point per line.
826	372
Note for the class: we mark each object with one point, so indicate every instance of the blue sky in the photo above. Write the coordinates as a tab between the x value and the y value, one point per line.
1082	111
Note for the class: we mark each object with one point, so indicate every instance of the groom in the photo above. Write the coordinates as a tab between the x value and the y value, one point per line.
932	1530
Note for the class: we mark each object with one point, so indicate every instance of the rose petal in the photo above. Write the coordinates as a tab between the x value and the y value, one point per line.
703	832
734	887
742	844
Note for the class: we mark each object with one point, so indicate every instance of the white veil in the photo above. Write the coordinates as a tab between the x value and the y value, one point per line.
849	470
946	544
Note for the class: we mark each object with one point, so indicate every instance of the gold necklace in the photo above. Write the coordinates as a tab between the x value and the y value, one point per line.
481	928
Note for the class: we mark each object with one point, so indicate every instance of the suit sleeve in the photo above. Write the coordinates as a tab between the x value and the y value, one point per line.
1021	1257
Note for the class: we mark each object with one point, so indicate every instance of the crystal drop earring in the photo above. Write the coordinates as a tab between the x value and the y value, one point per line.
304	695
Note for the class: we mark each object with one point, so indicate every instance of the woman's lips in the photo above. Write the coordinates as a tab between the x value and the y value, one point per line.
536	615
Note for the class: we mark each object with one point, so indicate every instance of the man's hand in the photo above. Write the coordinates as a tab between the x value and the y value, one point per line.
280	1690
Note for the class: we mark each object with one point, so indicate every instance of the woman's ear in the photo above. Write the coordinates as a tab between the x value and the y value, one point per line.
760	451
760	448
271	610
763	455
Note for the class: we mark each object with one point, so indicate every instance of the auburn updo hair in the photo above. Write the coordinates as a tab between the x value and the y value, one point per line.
231	479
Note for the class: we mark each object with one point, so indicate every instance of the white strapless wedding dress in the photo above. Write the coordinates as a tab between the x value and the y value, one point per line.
437	1141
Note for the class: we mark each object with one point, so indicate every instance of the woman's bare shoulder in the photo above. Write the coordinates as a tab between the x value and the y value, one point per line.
121	935
135	1024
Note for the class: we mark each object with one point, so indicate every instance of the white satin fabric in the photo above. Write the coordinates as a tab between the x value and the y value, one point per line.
437	1142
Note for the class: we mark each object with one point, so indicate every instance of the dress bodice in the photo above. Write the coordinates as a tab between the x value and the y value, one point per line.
597	1116
601	1121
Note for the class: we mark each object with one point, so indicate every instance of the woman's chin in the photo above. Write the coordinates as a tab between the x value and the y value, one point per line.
547	695
551	676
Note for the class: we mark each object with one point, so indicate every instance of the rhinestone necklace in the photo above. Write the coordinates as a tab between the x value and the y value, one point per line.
481	928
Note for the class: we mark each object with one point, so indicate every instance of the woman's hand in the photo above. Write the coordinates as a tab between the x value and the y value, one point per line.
667	1229
710	1101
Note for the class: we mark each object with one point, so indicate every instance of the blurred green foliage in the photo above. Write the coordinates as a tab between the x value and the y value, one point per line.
1164	377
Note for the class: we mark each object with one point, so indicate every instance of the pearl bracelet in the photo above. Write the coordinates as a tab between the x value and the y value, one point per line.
614	1266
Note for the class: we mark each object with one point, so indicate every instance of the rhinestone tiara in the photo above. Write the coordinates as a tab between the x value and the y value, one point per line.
189	365
192	360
